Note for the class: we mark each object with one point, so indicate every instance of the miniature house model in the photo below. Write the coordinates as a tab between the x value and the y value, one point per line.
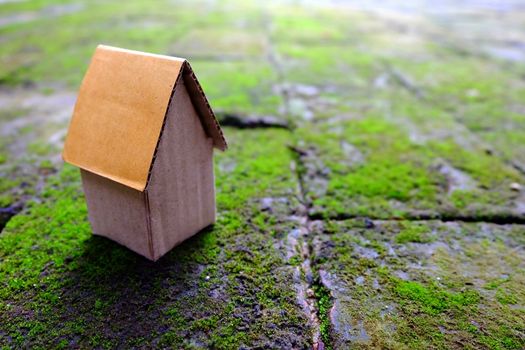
143	135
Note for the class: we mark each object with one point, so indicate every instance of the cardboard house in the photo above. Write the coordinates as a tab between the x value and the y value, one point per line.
142	134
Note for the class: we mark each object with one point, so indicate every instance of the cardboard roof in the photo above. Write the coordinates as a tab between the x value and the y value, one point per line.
121	109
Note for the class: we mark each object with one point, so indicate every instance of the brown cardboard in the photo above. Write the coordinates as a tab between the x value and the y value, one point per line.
120	111
143	135
119	114
181	190
117	212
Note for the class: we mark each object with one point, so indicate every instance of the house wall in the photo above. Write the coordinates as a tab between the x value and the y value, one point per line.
117	212
181	189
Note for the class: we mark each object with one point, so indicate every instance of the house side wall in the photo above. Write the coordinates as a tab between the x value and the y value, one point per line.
181	190
117	212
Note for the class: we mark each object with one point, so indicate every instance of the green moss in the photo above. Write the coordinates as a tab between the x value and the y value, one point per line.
46	165
414	233
506	297
294	24
462	199
212	42
6	200
324	304
481	96
250	86
91	25
206	324
393	170
68	222
433	299
328	61
237	187
8	114
295	260
496	283
40	149
7	185
228	337
477	165
397	177
393	183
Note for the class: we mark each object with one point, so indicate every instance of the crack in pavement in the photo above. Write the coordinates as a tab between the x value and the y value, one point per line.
299	241
7	213
306	278
241	121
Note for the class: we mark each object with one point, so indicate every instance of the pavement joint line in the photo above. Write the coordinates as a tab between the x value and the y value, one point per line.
504	219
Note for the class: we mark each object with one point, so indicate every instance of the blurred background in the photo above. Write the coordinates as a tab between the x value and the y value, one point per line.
451	70
361	117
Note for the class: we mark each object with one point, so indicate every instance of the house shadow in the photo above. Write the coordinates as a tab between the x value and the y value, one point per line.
119	296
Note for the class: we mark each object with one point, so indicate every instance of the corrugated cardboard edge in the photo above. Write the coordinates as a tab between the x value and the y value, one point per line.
148	227
201	104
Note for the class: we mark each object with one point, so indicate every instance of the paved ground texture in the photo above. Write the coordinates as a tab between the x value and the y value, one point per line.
373	195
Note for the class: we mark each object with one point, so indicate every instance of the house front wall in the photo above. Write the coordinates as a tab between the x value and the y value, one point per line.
181	190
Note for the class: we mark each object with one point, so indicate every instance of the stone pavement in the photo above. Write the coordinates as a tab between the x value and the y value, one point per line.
372	197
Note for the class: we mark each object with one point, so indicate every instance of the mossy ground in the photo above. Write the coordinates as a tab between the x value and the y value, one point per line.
423	284
225	288
389	215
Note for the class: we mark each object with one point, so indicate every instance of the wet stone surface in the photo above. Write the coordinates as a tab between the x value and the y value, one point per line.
373	195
